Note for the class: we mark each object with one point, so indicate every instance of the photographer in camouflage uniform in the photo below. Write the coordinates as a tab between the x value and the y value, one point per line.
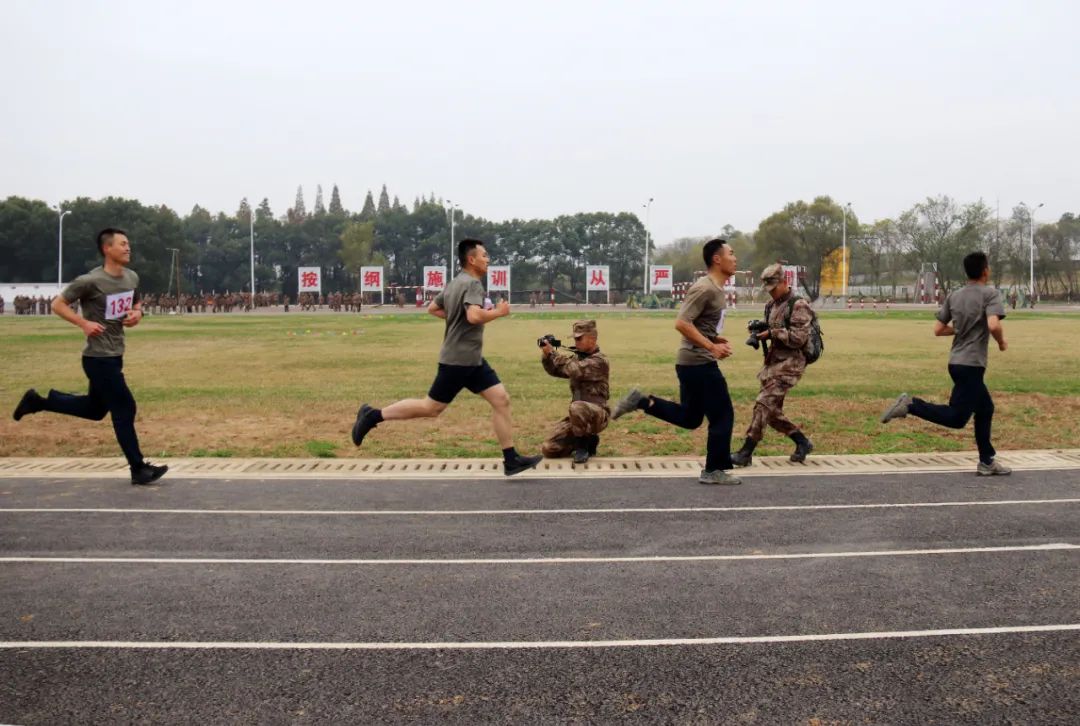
787	334
588	370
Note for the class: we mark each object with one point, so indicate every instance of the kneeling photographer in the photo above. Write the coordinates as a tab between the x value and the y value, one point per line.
783	335
587	368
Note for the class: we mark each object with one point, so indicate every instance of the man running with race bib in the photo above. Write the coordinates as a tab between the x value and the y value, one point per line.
109	300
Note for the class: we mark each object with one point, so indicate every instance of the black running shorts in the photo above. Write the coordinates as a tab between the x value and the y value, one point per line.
451	379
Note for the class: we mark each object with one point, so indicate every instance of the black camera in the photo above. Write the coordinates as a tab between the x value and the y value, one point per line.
549	339
755	327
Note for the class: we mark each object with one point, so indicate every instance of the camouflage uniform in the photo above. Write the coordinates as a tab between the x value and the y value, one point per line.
783	367
589	412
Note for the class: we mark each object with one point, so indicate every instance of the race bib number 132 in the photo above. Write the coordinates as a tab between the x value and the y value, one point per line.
118	304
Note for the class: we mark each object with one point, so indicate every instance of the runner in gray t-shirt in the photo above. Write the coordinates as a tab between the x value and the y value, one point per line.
463	342
971	315
461	361
703	391
108	298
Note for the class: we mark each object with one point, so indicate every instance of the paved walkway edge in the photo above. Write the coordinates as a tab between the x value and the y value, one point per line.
472	469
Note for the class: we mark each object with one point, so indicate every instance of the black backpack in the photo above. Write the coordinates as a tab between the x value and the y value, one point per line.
815	346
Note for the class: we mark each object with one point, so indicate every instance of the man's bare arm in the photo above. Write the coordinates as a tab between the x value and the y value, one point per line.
993	322
61	308
688	331
476	314
942	330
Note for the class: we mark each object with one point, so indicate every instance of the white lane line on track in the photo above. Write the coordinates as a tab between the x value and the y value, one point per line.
514	512
535	645
1057	546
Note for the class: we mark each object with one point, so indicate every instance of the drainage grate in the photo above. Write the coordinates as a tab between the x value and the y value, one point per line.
557	468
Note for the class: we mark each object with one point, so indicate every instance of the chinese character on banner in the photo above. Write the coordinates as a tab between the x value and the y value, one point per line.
310	279
499	277
371	279
791	276
596	277
661	277
434	277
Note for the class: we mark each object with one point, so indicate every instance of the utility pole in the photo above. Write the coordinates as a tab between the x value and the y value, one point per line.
648	208
843	254
60	253
174	276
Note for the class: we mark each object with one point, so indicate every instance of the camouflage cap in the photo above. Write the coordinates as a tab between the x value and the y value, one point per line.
772	276
584	327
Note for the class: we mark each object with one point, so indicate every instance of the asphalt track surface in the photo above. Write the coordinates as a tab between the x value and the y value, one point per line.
929	598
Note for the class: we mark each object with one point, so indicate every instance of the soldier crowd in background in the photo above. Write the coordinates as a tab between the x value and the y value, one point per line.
228	302
30	305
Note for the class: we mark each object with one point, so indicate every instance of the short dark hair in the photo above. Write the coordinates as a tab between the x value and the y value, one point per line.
106	235
711	248
974	264
465	248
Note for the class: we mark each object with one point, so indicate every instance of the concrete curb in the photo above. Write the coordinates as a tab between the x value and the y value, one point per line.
473	469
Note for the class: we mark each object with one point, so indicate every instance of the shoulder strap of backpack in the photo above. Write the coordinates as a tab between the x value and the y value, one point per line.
791	309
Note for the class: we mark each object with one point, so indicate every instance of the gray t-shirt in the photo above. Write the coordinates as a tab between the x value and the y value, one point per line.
104	299
463	342
703	307
967	309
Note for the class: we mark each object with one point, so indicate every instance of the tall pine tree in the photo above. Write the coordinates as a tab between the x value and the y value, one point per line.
336	208
243	214
320	208
367	214
299	210
263	212
384	201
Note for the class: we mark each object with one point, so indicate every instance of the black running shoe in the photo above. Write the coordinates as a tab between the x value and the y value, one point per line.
364	423
31	402
147	474
520	464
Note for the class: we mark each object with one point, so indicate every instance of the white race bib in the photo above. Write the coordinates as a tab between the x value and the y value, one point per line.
118	304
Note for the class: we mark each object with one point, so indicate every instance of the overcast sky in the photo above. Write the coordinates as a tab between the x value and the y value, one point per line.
721	111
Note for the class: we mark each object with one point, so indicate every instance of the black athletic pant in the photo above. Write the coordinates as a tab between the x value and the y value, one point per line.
703	393
108	394
969	396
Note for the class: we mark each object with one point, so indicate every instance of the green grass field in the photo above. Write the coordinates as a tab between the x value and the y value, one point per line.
289	385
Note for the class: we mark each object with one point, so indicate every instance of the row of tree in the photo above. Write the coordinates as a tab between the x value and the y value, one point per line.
213	249
888	253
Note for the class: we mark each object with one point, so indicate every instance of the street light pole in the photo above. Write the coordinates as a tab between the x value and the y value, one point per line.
450	257
1031	225
843	250
251	217
60	253
648	208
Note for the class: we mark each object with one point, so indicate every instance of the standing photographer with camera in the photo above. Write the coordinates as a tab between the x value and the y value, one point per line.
787	324
587	369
